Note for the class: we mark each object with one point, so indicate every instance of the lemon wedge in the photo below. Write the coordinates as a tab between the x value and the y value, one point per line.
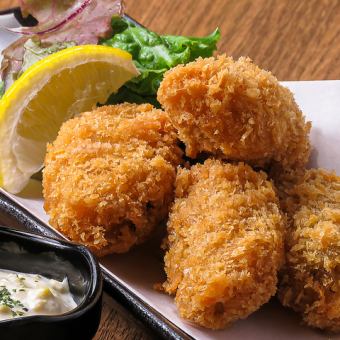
48	93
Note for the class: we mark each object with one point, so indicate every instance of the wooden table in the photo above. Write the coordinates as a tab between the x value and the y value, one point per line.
295	39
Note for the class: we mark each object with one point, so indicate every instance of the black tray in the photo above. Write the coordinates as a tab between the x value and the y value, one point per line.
18	217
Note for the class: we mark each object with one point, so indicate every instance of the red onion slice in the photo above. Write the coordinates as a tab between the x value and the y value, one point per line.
51	15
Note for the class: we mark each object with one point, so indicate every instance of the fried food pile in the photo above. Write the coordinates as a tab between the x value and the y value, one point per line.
225	243
311	276
234	111
112	175
109	176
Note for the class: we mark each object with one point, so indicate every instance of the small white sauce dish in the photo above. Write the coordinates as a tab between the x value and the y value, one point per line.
57	260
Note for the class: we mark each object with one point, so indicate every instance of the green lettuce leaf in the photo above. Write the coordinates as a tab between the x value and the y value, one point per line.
124	94
2	88
154	54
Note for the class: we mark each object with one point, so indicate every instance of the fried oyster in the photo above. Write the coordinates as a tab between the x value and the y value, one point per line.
236	111
225	243
310	281
109	176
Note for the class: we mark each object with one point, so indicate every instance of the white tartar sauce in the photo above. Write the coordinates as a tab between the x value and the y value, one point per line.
24	294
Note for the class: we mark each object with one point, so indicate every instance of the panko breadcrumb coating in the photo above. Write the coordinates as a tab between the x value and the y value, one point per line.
235	110
109	176
225	243
311	277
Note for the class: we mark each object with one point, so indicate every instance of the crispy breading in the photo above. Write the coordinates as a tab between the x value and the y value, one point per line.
109	176
225	243
310	281
236	111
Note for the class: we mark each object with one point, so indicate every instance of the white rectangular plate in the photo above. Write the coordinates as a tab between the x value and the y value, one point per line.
141	267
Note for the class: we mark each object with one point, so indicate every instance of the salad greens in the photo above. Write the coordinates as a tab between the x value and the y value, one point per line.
124	94
153	55
2	88
35	50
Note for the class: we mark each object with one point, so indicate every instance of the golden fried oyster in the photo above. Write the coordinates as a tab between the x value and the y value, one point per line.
109	176
225	243
311	277
235	110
